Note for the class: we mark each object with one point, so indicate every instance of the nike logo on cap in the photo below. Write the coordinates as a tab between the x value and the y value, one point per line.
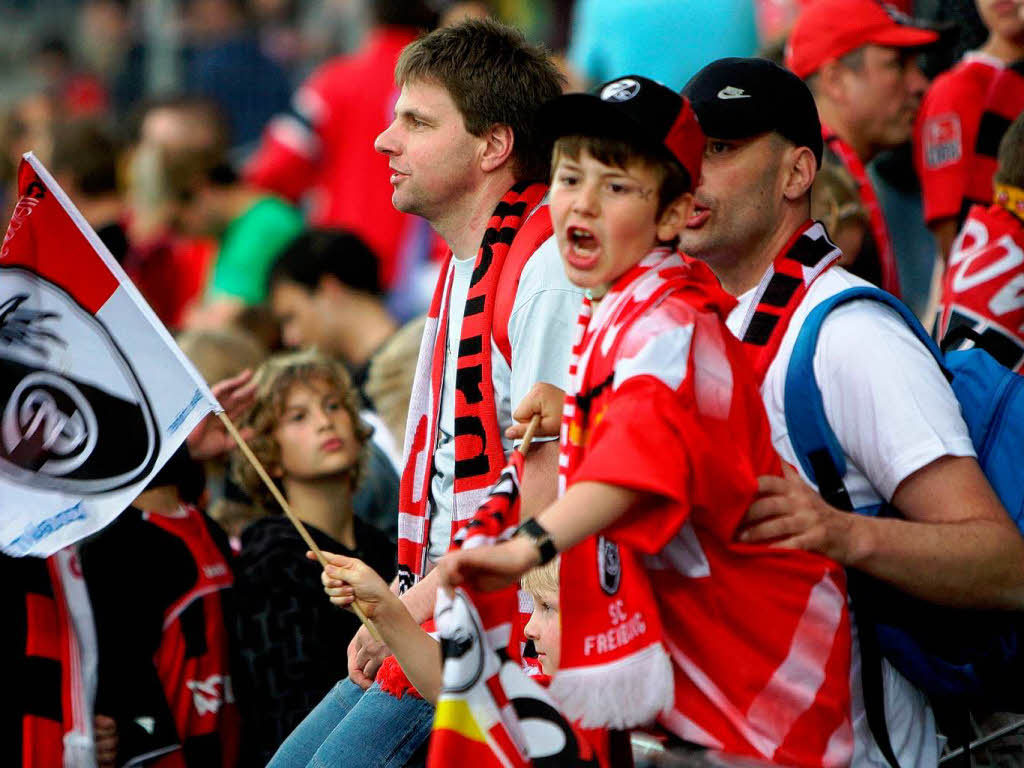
732	92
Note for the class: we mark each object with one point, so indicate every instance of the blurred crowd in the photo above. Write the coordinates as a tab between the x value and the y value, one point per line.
224	152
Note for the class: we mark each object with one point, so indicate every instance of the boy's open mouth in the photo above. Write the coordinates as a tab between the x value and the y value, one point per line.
582	240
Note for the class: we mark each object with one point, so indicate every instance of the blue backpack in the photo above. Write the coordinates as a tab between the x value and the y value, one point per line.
972	658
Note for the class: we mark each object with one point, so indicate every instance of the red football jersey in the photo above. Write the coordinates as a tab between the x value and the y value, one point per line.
323	149
984	283
759	637
946	136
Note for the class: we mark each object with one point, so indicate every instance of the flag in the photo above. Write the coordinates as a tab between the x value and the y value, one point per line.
95	394
491	712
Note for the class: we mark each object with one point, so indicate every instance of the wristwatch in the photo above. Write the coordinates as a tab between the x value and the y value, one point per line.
536	532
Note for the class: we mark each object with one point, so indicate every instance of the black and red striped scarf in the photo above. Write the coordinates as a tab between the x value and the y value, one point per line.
801	261
479	454
890	278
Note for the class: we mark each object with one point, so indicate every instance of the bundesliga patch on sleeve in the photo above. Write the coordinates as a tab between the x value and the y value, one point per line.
943	143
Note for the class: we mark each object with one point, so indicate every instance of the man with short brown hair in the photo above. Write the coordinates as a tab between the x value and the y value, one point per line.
463	156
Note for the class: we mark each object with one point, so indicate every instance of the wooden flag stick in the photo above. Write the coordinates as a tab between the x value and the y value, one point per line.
251	457
524	446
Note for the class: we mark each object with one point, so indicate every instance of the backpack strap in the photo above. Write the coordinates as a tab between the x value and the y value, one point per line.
824	462
532	234
813	440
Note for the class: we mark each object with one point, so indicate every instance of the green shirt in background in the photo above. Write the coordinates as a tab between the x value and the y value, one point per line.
249	248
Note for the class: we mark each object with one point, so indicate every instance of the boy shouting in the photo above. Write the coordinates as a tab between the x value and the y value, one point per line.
665	616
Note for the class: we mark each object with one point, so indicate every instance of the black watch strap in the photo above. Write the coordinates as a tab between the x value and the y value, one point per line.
535	531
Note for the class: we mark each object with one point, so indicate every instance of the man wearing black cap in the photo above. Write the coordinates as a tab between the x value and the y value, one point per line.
895	417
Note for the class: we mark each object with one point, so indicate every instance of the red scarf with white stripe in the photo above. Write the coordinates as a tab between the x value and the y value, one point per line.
876	218
801	261
479	454
633	682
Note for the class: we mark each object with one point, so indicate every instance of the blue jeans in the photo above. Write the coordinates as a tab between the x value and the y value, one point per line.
358	729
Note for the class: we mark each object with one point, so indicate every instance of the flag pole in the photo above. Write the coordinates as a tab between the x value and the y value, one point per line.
524	446
279	497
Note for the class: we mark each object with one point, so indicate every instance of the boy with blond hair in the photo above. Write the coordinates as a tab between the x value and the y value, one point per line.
665	616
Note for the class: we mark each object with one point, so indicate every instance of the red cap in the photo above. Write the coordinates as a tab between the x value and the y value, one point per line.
829	29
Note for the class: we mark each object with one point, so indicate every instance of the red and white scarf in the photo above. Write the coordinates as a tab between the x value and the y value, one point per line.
801	261
479	454
876	218
612	603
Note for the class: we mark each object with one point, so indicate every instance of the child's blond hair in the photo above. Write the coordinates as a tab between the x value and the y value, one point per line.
835	199
274	381
542	579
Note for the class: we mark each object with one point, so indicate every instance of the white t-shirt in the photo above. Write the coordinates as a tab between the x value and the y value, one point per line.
893	413
540	333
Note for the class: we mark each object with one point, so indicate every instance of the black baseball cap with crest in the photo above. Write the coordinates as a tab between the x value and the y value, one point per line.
633	108
740	98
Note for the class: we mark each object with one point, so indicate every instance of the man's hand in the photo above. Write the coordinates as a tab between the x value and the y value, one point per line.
791	515
545	399
209	439
105	739
365	655
489	568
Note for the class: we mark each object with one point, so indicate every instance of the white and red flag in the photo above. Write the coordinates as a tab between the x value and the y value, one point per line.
94	394
491	713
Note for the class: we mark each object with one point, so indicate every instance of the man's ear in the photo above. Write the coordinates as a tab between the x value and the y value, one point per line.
829	81
499	140
330	286
673	219
800	169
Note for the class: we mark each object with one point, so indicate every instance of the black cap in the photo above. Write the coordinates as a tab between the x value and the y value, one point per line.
739	98
633	108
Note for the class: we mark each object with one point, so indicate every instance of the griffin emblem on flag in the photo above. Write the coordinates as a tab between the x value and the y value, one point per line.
94	394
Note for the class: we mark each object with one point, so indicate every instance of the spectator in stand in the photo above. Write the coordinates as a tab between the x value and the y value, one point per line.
960	125
325	292
49	645
107	41
252	228
161	588
321	150
894	415
984	284
169	268
665	40
84	163
74	92
308	433
859	63
227	66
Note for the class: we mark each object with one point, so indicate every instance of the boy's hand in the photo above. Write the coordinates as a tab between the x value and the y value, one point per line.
489	568
545	399
347	580
791	515
105	738
209	439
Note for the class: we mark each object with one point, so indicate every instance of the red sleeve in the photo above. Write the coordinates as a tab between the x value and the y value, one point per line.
291	145
944	137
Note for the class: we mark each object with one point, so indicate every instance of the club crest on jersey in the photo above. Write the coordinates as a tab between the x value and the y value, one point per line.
609	566
621	90
66	424
943	143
